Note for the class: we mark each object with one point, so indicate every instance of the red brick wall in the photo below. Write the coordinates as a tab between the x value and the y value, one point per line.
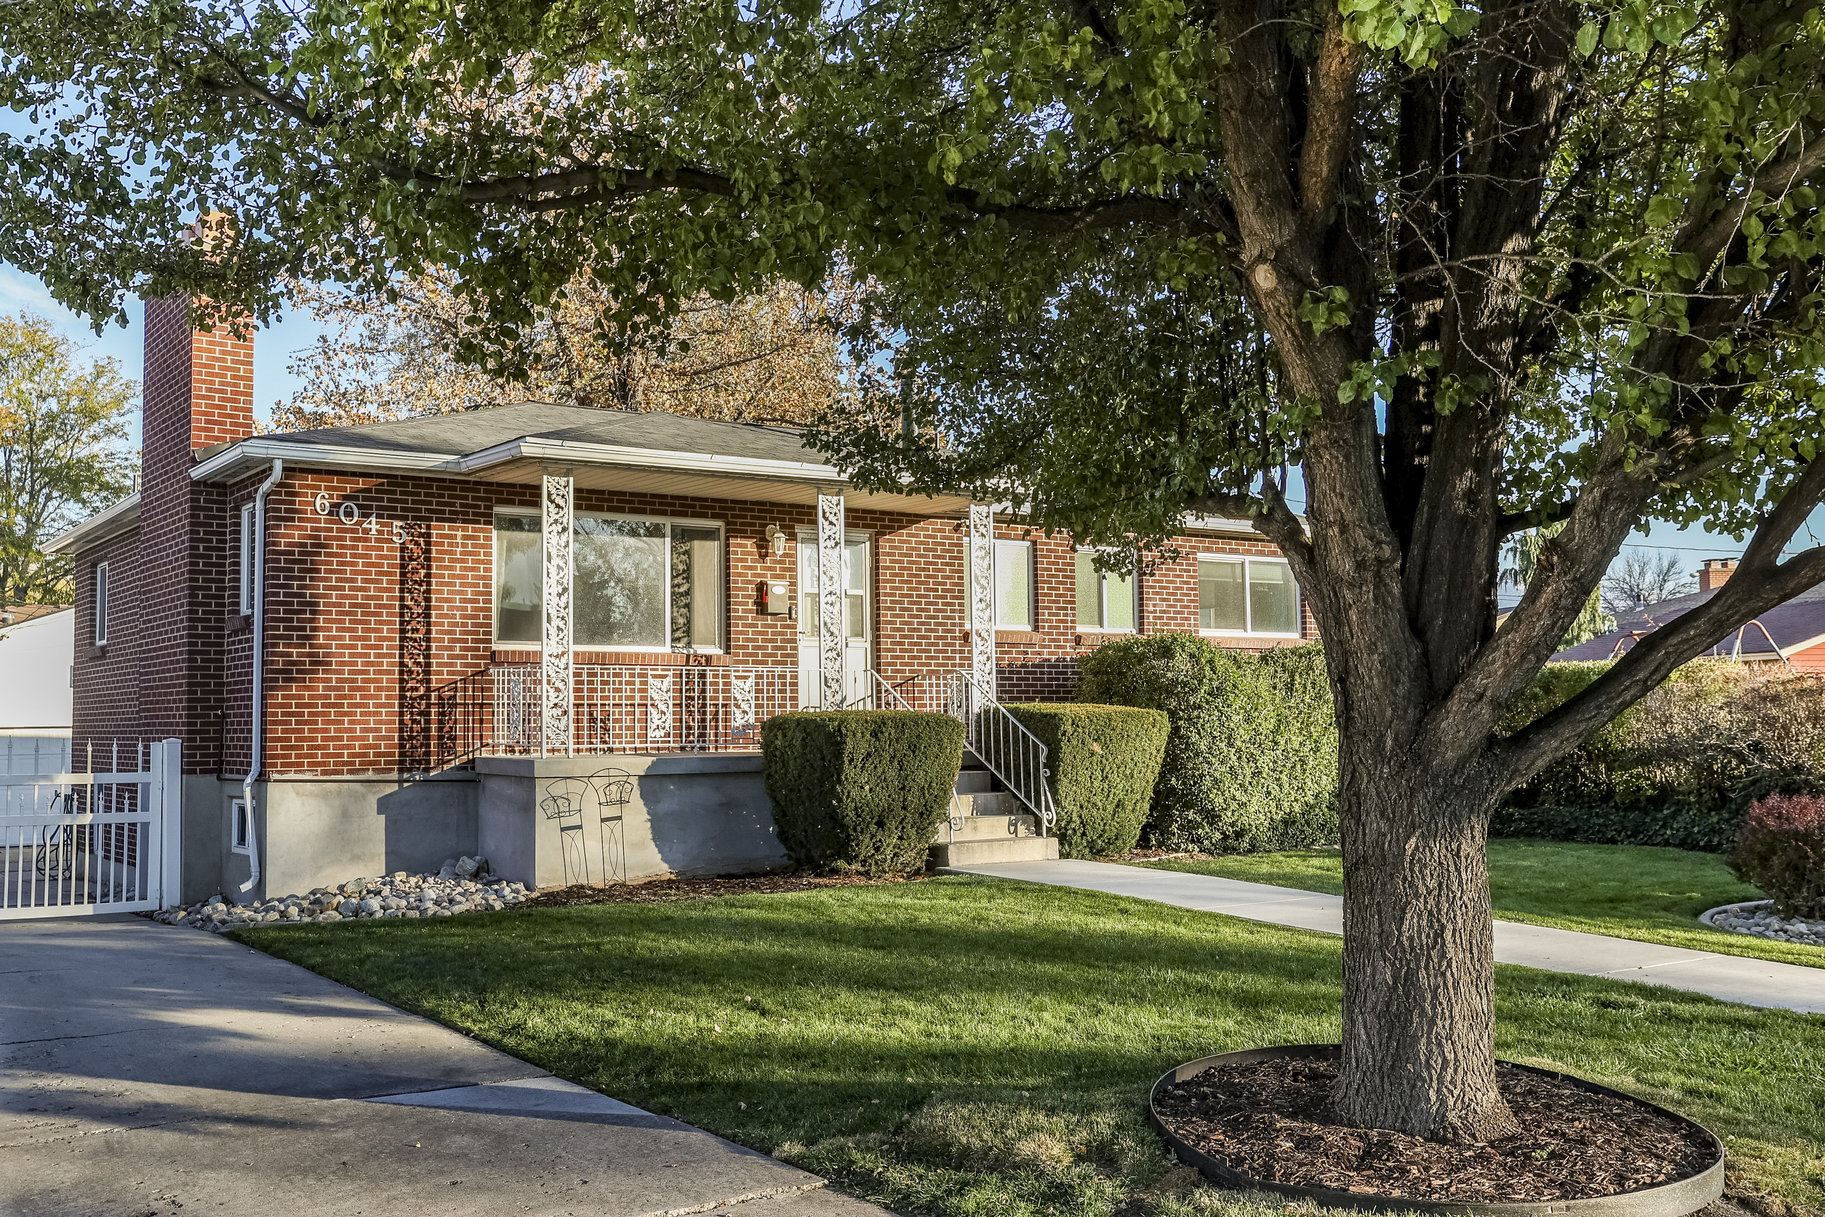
106	680
198	392
1041	665
339	606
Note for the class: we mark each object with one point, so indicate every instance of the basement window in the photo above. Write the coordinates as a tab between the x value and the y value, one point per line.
240	828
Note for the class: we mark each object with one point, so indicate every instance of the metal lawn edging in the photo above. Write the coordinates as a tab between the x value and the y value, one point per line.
1674	1199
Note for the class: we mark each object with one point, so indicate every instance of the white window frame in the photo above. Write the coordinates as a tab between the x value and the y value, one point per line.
1102	596
103	586
1032	621
722	582
245	581
240	828
1248	600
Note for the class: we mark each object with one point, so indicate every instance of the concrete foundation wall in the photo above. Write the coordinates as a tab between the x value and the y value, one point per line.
315	832
540	818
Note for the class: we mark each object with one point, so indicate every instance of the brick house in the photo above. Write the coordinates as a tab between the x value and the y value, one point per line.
375	661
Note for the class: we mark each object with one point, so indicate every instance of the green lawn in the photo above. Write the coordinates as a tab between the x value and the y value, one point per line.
1629	891
973	1046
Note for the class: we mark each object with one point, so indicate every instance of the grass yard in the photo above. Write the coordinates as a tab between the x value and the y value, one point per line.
1628	891
973	1046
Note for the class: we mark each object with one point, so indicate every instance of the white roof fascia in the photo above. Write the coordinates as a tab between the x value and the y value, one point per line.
224	465
94	526
557	451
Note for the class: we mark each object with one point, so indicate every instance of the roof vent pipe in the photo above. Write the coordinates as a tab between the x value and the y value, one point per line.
256	735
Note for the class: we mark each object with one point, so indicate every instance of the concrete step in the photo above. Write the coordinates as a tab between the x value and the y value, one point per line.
975	781
986	853
988	828
994	803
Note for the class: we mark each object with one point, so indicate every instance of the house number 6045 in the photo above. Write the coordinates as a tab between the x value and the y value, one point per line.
350	513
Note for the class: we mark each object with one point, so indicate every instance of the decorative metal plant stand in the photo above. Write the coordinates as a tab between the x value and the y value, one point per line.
576	804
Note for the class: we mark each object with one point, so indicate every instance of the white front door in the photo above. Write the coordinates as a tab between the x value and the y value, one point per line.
858	617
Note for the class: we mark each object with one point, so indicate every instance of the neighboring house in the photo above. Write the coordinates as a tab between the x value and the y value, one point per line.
36	649
458	614
1792	632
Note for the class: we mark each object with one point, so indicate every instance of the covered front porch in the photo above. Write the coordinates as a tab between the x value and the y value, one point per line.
696	698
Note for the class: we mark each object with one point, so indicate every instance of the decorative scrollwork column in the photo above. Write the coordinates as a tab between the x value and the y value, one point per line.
982	596
556	676
831	593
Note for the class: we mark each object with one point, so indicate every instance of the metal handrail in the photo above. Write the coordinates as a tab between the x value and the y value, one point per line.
1004	746
879	685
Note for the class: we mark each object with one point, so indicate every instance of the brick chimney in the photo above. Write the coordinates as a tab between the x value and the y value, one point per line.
198	392
1715	572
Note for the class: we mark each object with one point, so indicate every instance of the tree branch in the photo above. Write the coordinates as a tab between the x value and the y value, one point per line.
1332	111
1706	237
1759	584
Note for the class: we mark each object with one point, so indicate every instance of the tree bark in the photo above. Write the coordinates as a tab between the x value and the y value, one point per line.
1418	950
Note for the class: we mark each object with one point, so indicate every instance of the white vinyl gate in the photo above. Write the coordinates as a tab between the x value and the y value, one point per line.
102	838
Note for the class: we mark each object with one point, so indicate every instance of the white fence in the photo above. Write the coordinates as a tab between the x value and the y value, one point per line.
99	837
26	755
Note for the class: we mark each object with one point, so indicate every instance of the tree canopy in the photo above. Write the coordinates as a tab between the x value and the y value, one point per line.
1470	269
63	427
772	358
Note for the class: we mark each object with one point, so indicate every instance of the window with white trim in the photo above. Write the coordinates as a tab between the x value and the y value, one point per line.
101	604
1247	596
246	569
640	584
1107	600
1014	585
240	828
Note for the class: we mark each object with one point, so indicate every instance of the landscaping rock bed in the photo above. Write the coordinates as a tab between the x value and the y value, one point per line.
463	885
1758	917
1265	1119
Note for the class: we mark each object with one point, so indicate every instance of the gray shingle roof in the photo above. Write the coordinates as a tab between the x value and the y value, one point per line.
1790	623
479	429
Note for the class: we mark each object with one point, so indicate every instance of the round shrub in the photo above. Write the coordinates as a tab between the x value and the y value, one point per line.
860	791
1781	849
1251	757
1104	760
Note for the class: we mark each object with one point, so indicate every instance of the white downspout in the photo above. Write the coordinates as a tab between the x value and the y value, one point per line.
257	711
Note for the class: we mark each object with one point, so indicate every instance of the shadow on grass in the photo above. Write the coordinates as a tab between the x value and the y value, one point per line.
838	1024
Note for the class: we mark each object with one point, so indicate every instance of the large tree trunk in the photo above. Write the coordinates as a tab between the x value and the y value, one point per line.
1418	950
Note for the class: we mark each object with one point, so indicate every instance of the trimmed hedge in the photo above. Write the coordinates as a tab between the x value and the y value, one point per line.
1781	849
1251	757
1678	768
1104	760
860	791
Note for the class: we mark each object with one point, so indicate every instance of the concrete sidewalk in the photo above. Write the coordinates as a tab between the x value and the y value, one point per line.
151	1070
1753	982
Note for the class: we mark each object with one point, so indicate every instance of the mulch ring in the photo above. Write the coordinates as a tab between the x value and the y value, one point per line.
679	887
1272	1120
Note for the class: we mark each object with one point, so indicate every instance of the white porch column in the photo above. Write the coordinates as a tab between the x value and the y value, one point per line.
981	588
830	597
555	676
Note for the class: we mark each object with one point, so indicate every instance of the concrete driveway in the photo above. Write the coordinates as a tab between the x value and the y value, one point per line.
149	1070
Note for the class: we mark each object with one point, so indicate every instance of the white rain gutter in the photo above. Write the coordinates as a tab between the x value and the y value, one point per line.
257	727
